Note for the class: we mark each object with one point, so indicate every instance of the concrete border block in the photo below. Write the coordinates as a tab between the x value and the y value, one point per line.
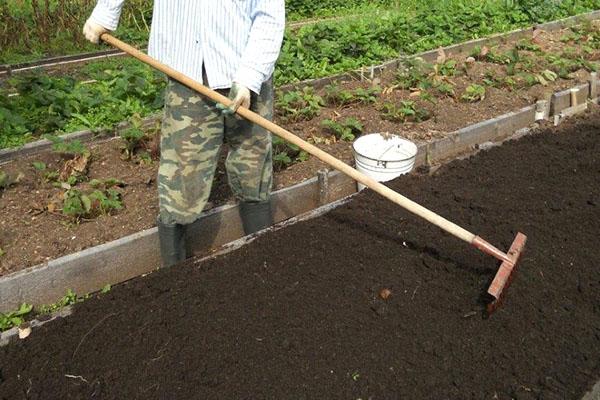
562	100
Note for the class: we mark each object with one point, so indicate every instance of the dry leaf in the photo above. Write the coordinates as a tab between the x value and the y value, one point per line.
75	166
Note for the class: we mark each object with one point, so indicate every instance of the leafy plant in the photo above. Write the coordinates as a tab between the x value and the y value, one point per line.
78	204
336	96
344	130
300	105
286	154
133	136
39	166
367	96
14	318
474	93
68	299
413	74
406	111
71	148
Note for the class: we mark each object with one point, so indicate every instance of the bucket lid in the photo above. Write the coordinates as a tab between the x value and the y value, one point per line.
378	147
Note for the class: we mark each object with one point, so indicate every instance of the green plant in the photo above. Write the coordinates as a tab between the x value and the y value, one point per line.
286	154
528	45
133	136
14	318
336	96
39	166
106	200
406	111
70	148
344	130
474	93
78	204
367	96
300	105
68	299
413	74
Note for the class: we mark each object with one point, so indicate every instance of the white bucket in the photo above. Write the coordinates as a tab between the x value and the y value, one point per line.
384	158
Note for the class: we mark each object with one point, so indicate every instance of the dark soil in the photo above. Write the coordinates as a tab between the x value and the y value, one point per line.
298	313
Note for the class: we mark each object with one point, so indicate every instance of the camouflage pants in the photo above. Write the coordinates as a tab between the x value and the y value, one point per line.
192	133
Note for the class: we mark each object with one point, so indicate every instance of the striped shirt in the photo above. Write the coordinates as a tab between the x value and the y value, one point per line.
236	40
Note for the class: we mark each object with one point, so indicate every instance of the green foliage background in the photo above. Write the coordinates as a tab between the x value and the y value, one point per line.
384	30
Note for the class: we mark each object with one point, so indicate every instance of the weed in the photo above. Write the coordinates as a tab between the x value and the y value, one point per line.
407	111
14	318
473	93
344	130
68	299
70	148
300	105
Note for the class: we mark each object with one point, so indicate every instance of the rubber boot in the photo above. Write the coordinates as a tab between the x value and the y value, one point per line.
256	216
172	243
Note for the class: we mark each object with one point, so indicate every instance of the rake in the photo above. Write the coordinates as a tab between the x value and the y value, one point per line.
508	260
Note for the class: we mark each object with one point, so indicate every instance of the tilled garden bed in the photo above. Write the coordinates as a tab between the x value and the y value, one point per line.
298	313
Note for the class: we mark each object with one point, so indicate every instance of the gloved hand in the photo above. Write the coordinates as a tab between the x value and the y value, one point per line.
93	31
240	96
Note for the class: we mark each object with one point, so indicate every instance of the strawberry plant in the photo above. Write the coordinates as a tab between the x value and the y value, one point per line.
336	96
413	74
300	105
133	137
286	154
473	93
344	130
78	204
367	96
406	111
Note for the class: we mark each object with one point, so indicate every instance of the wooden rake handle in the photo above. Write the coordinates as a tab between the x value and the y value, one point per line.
383	190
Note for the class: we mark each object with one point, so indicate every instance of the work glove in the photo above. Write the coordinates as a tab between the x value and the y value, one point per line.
240	96
93	31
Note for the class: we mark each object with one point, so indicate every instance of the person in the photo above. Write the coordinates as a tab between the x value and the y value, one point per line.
230	46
